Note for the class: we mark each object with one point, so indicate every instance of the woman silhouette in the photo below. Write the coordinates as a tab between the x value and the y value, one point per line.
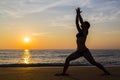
82	50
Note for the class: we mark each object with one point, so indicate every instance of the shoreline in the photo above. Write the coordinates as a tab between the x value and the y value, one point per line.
48	65
39	65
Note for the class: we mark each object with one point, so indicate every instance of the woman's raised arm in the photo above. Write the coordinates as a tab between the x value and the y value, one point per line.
77	21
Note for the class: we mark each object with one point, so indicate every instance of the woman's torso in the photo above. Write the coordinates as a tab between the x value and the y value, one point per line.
81	39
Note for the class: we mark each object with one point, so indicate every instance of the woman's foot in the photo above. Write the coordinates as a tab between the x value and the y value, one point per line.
106	74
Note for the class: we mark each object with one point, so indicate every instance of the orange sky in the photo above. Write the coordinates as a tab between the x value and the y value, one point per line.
51	24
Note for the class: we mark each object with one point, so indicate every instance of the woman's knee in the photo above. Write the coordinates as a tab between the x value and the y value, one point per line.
68	59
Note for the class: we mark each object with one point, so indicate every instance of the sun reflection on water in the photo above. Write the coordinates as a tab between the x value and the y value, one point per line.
26	57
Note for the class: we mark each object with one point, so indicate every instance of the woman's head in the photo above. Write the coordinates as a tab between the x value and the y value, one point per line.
86	24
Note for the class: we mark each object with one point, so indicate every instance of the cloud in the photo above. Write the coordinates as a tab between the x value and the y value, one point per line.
40	34
93	10
83	3
19	8
117	32
104	11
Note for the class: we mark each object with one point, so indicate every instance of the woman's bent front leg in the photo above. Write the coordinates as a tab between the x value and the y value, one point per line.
71	57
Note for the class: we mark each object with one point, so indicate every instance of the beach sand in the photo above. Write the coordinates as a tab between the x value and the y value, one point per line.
47	73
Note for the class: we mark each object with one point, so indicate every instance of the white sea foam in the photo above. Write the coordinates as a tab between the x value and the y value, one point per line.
105	57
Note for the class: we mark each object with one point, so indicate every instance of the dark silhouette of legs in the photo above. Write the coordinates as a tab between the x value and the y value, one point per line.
89	57
86	53
71	57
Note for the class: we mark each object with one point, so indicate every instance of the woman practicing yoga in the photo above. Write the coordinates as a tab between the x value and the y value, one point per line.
82	50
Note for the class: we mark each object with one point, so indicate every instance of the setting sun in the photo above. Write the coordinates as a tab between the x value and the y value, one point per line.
26	39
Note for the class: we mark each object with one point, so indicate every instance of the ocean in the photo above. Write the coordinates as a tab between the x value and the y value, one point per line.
108	57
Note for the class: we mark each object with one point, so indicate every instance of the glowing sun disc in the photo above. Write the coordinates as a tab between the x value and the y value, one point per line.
27	39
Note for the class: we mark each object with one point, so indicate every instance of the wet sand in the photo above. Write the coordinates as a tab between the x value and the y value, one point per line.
47	73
